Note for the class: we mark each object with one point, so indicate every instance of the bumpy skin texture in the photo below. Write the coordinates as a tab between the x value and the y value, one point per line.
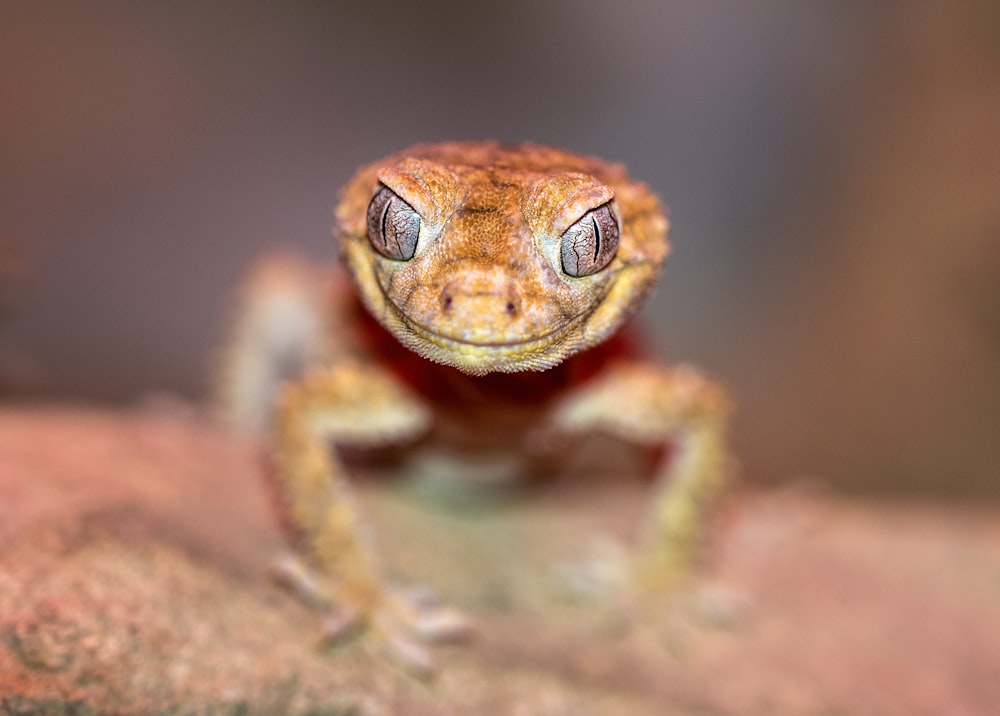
481	346
492	218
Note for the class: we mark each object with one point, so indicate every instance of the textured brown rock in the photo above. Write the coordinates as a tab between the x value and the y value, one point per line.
133	548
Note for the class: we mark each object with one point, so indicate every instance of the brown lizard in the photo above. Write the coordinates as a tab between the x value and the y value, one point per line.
489	286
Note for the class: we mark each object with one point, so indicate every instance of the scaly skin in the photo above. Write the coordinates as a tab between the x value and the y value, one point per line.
502	345
493	217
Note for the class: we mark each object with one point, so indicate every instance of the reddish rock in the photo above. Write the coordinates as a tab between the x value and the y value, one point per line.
134	546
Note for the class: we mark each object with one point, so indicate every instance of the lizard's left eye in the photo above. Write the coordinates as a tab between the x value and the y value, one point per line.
393	225
590	243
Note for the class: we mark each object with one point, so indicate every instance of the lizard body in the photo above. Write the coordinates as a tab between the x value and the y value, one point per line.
489	289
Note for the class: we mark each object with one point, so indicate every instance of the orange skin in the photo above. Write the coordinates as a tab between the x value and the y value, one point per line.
484	292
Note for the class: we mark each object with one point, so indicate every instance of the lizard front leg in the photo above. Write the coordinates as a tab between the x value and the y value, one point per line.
655	406
349	403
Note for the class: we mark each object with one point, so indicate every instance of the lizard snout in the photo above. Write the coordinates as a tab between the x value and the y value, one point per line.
480	299
492	306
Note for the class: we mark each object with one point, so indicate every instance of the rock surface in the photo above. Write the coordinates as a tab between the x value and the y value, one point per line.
134	546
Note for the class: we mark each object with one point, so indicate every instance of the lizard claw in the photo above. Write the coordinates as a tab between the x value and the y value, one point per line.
670	610
340	626
401	626
400	623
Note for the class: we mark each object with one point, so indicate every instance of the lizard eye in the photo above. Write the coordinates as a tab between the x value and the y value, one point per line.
590	243
393	225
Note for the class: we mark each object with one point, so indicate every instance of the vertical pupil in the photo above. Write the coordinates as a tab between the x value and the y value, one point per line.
385	217
597	236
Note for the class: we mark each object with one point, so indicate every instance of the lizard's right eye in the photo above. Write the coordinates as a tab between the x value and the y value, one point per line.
590	244
393	225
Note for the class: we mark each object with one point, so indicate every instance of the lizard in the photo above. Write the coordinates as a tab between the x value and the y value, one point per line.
484	310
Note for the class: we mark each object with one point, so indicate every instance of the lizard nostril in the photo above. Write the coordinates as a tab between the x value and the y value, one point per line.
511	308
446	301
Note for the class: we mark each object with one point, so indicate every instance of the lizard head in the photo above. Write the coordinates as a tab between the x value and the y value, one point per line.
490	257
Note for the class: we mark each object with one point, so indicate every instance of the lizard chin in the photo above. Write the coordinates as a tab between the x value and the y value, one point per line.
481	357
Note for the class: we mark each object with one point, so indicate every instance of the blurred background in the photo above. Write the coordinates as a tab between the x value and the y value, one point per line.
833	173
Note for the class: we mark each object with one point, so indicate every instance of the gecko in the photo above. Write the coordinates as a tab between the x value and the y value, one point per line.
484	312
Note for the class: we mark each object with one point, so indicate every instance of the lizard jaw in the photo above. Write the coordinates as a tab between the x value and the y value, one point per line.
481	357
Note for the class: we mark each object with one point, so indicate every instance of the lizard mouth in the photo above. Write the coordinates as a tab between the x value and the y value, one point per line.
477	352
478	357
437	337
538	352
453	341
